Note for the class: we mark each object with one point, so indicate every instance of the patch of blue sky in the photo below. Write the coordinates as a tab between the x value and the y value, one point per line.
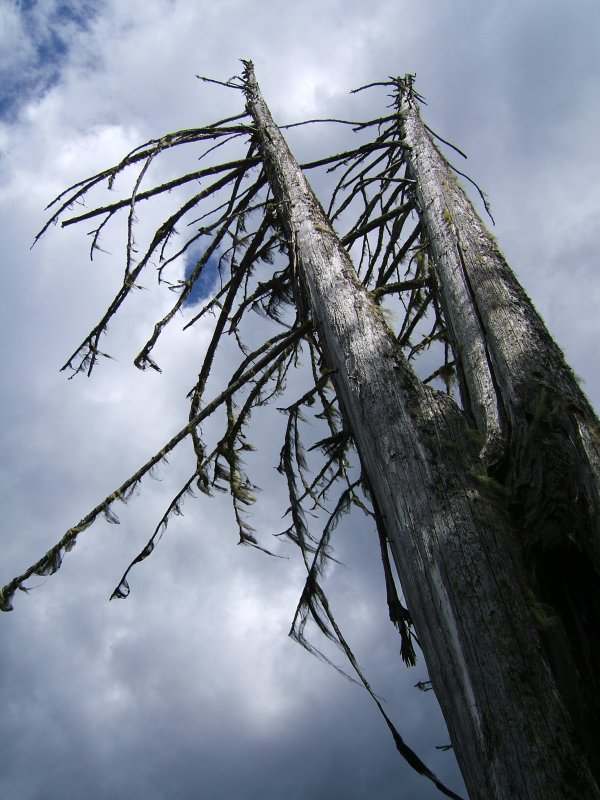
204	284
46	34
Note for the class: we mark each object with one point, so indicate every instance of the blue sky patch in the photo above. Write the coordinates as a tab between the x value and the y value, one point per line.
203	286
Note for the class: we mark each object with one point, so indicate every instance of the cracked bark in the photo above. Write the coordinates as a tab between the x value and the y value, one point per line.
541	436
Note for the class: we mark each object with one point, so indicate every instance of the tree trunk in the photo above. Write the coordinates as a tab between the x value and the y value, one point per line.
542	439
447	527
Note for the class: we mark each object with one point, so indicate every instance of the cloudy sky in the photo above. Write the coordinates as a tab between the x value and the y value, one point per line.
191	687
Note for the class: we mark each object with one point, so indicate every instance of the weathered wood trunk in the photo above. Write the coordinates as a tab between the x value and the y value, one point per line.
542	439
447	528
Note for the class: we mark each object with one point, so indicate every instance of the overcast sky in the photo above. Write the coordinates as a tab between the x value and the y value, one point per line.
191	688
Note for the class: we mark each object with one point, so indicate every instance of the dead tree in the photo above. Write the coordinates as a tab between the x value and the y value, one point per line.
466	494
540	435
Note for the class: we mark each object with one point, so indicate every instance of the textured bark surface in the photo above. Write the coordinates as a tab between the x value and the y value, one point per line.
446	526
541	435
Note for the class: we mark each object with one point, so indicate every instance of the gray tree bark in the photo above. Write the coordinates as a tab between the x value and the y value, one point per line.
446	524
542	439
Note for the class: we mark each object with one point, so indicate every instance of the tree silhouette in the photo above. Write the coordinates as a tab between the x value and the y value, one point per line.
487	497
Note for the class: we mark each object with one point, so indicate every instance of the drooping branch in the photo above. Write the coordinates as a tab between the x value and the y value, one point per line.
51	561
75	193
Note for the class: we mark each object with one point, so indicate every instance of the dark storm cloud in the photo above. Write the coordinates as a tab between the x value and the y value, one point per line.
191	688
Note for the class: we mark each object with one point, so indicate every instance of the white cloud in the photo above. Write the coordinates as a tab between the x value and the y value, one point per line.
15	47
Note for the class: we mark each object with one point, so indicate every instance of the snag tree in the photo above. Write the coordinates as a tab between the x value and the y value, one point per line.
488	498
